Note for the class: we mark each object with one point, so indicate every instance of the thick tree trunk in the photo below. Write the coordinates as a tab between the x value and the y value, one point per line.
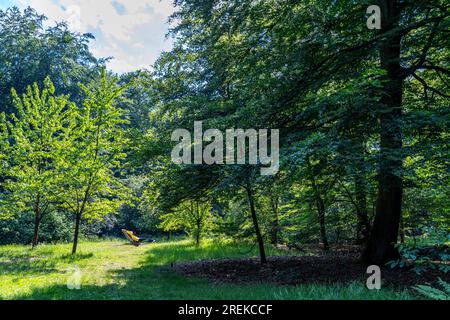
262	252
76	233
381	247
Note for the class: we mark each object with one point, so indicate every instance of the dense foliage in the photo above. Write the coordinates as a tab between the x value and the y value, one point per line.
363	118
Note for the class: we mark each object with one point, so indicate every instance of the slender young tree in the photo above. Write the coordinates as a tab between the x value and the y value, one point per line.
194	216
4	146
37	134
251	201
92	186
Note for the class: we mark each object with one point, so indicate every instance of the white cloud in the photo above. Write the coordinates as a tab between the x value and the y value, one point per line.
131	31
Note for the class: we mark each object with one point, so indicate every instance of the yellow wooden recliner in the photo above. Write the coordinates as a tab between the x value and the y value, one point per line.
136	241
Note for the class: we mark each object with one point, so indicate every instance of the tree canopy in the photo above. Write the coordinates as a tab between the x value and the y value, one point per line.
362	116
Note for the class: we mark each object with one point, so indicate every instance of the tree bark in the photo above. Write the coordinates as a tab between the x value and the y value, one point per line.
275	223
381	246
402	230
320	205
362	212
322	222
262	252
76	233
198	233
37	221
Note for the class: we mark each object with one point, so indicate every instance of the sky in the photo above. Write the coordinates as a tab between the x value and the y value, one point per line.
133	32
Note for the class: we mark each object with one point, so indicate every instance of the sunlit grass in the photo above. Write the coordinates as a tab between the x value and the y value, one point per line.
114	270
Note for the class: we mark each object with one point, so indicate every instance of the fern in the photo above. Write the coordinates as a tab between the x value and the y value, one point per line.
434	293
445	285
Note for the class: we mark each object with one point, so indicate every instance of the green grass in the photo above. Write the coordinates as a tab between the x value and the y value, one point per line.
113	270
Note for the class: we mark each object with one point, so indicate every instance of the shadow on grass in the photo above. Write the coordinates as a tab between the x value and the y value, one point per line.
29	262
35	262
153	278
75	258
28	266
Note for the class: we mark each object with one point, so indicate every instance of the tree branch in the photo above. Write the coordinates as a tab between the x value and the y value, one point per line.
423	56
427	87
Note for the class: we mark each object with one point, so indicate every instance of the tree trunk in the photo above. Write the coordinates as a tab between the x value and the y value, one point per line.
402	231
37	222
362	212
360	183
198	233
323	229
262	252
75	236
275	227
321	215
381	246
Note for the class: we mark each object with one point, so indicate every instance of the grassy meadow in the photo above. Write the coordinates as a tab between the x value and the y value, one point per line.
118	271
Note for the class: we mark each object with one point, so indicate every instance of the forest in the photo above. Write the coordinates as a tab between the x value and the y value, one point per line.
355	119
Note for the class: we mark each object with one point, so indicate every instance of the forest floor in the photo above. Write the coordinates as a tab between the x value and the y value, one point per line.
178	270
341	265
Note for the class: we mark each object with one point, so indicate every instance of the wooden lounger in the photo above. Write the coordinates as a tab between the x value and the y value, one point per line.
134	240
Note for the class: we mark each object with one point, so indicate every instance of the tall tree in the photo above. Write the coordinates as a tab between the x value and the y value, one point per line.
30	51
315	70
394	44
